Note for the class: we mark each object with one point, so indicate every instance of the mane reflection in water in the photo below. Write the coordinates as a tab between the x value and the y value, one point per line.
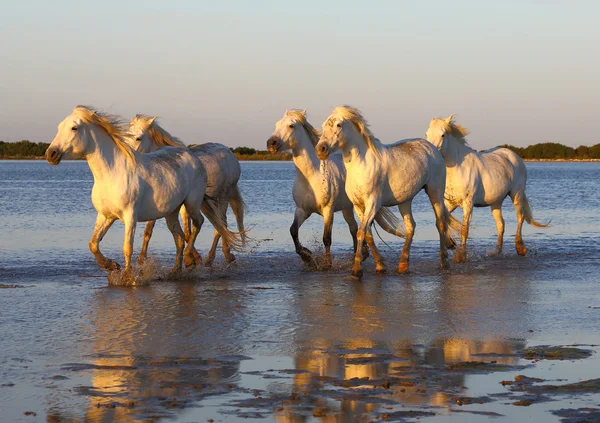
223	173
130	186
319	187
475	179
381	175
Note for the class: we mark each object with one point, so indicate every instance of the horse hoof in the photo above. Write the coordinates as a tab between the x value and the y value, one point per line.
306	255
358	274
522	251
112	265
402	268
352	278
190	261
141	260
460	257
445	264
381	270
230	258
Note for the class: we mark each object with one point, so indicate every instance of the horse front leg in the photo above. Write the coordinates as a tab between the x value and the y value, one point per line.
103	224
348	214
327	229
410	224
129	221
461	254
497	213
366	217
299	217
147	235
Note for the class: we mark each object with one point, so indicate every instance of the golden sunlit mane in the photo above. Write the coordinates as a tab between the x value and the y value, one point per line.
300	116
352	114
116	128
156	133
459	132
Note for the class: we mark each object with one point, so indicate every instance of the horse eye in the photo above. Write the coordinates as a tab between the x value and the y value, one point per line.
138	139
339	125
443	134
291	125
74	128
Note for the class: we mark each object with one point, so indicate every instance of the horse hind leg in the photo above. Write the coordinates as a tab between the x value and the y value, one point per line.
410	224
190	259
497	213
519	207
327	229
379	264
229	257
147	235
179	238
187	224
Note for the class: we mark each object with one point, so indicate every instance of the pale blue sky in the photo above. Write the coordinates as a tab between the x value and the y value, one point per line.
513	71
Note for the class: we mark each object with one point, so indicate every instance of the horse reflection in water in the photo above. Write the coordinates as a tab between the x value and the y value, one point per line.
369	349
138	340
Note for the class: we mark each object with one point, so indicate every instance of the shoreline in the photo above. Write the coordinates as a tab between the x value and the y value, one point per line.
277	159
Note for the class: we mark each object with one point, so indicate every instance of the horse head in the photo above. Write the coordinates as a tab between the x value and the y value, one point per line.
292	131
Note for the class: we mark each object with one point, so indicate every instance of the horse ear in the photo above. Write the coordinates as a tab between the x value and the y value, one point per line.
304	112
152	120
449	119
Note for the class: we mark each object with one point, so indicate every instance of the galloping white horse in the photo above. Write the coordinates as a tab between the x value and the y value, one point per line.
385	175
319	186
479	180
129	186
223	172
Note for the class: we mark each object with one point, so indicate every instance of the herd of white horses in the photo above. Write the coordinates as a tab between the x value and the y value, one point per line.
142	173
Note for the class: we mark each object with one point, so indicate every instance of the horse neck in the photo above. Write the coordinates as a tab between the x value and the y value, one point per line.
305	157
454	152
104	157
355	150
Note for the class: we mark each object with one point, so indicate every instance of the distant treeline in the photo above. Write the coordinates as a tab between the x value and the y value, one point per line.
22	149
552	150
544	151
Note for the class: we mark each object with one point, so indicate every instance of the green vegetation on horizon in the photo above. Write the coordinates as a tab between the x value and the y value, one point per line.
543	151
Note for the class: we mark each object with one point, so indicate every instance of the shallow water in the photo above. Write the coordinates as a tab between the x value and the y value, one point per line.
268	338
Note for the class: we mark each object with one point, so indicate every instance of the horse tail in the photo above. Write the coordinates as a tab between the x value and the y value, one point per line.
454	227
389	222
239	208
210	209
529	216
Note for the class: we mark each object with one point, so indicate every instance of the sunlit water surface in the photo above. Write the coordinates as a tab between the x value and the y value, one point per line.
270	338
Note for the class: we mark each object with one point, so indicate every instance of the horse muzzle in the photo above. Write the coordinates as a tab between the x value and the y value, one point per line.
273	144
323	151
53	156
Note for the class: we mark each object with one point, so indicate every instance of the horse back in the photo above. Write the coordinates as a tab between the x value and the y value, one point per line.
222	167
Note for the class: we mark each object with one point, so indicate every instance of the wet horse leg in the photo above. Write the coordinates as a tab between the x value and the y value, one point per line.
405	210
103	224
179	238
518	202
299	217
497	213
147	235
461	253
348	214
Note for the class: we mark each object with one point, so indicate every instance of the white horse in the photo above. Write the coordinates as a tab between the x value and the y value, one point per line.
223	172
319	186
476	179
385	175
129	186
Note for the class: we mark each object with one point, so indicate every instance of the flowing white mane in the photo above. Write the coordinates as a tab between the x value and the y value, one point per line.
300	117
156	133
116	128
459	132
353	115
